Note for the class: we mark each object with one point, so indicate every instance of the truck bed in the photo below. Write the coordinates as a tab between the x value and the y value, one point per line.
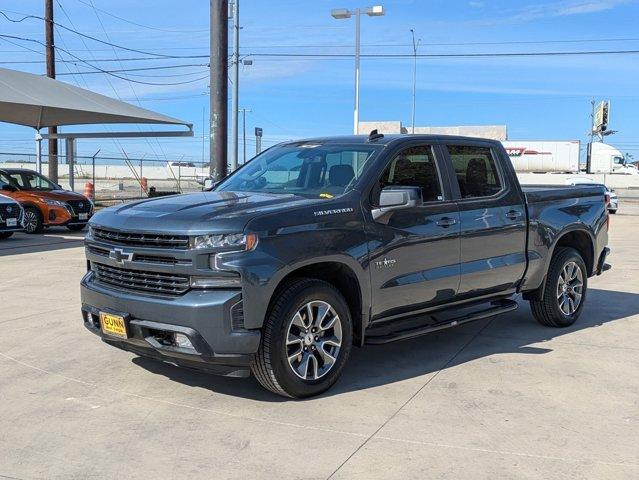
545	193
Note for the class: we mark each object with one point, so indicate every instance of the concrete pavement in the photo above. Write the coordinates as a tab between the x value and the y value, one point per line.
500	398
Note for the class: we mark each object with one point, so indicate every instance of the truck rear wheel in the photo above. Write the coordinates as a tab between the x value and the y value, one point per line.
564	291
306	341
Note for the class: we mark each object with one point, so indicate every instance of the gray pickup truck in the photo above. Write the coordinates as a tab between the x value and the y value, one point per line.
318	245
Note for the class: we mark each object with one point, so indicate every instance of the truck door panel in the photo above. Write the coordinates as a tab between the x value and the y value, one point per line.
493	221
415	252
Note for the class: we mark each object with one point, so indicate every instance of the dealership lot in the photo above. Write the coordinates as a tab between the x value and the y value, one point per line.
500	398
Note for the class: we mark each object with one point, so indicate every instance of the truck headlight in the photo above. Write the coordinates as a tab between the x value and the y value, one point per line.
229	241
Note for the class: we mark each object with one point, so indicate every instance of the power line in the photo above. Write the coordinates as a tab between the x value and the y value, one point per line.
442	55
95	39
139	24
5	36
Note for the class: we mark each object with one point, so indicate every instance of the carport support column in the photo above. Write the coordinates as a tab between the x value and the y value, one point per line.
70	151
38	139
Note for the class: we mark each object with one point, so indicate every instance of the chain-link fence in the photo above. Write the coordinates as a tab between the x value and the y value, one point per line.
118	178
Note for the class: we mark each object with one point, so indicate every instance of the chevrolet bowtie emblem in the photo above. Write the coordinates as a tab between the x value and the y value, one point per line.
120	256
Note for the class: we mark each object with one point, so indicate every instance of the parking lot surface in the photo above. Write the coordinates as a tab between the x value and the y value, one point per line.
499	398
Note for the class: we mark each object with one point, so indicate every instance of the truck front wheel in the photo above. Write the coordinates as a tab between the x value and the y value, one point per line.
564	291
306	340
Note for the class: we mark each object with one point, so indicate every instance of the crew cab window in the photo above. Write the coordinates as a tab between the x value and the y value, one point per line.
414	167
475	170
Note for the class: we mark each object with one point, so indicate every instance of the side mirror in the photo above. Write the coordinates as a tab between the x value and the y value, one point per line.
9	188
397	198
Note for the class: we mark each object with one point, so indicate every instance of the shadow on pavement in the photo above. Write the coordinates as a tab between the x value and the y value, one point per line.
21	243
373	366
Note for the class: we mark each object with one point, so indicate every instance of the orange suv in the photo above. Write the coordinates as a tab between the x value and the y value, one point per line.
45	203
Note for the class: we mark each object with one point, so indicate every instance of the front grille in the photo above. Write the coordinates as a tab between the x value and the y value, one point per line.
9	211
141	281
150	240
137	257
79	206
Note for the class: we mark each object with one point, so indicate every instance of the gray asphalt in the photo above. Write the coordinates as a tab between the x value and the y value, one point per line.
498	399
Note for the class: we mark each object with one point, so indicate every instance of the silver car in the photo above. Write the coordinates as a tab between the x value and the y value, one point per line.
613	203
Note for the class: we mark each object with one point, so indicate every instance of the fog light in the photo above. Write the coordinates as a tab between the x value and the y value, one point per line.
182	341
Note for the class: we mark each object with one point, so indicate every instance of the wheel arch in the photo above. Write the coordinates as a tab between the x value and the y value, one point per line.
344	278
574	236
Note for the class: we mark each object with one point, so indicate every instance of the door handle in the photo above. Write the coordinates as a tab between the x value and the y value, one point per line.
446	222
513	215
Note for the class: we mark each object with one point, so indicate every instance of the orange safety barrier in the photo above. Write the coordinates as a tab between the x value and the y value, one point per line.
144	183
89	191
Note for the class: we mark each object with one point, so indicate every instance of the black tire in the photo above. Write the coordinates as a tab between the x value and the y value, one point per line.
5	235
271	365
76	228
547	311
612	212
33	222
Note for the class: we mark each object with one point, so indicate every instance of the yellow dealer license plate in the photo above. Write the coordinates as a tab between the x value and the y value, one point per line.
113	325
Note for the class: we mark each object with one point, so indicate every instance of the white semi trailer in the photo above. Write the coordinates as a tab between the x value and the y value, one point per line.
541	157
563	157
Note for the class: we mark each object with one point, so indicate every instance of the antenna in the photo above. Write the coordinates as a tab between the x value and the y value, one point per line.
374	135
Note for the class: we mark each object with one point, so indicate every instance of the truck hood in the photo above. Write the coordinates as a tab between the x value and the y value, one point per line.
195	213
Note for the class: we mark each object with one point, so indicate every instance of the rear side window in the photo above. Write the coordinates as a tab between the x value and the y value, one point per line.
475	170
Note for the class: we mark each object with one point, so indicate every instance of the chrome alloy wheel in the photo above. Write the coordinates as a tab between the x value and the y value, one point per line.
30	221
570	288
313	340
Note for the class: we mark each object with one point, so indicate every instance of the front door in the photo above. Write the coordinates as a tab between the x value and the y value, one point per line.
415	252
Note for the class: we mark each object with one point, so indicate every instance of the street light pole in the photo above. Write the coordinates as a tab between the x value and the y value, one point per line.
357	50
244	110
343	13
415	45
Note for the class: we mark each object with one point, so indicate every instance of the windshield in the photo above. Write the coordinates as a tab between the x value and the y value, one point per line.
311	170
31	181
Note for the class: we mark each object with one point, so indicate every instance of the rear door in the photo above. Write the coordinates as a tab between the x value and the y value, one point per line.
415	251
492	216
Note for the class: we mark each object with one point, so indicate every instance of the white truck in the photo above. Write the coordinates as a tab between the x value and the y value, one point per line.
605	158
563	157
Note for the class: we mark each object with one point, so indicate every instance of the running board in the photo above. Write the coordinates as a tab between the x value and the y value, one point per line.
497	307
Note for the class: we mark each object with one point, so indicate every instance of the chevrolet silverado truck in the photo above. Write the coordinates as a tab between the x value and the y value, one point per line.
11	217
318	245
45	203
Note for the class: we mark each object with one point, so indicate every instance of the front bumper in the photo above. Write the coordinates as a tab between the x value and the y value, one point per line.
203	316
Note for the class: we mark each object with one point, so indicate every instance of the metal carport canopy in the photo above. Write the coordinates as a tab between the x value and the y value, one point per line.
38	102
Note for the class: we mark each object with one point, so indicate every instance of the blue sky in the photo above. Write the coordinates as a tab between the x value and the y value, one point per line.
536	97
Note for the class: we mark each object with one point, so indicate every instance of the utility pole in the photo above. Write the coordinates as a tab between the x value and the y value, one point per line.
50	59
244	110
258	140
592	135
219	87
235	64
415	45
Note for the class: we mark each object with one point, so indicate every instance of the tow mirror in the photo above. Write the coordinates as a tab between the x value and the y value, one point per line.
397	198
